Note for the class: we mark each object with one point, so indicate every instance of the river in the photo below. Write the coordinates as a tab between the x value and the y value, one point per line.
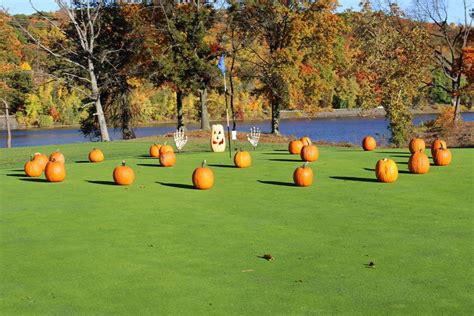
349	130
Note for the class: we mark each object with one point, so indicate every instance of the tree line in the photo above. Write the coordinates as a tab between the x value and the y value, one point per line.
106	64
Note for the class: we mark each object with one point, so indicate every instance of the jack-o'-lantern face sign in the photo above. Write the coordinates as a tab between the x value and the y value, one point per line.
217	138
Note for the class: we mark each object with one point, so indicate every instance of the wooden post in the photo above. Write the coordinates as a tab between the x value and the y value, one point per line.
7	121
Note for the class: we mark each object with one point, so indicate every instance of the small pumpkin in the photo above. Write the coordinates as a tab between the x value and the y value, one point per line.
96	155
42	159
203	177
155	150
419	163
166	148
369	143
295	147
55	171
437	144
416	144
309	153
303	175
123	175
442	157
168	159
305	140
242	159
33	168
386	170
57	156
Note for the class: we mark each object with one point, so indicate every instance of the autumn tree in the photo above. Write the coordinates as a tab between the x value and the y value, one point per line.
448	43
392	58
292	42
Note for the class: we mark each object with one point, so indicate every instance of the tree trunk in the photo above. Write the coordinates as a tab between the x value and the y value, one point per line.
456	99
7	121
126	117
275	117
204	114
104	133
232	92
179	108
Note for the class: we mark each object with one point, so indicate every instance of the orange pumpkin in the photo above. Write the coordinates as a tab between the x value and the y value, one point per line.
57	156
386	170
96	155
437	144
369	143
203	177
309	153
305	140
442	157
242	159
295	147
303	176
42	159
155	150
123	175
55	171
417	144
165	149
33	168
168	159
419	163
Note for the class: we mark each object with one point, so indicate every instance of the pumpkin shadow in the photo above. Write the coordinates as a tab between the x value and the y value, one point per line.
285	150
402	162
285	153
287	160
401	156
357	179
82	161
177	185
101	182
148	165
280	183
19	175
222	166
394	152
34	180
146	157
399	171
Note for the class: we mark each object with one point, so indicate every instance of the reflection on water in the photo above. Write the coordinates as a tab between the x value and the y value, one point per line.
350	130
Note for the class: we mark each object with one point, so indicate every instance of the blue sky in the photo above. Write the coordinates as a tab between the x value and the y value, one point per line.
23	6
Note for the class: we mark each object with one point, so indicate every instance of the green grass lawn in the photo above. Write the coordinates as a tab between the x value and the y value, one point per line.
85	246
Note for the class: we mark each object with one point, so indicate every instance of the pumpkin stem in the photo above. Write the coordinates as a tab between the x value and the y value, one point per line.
164	144
203	163
441	146
53	159
306	164
123	163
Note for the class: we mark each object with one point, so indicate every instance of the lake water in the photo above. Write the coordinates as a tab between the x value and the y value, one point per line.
349	130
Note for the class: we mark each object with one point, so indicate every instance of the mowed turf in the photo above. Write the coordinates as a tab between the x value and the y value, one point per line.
86	246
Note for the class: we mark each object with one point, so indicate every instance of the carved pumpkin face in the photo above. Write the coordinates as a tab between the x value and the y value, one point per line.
217	138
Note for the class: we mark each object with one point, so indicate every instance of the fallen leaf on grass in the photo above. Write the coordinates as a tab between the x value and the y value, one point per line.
249	270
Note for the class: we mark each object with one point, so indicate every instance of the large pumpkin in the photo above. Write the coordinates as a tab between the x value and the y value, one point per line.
33	168
417	144
386	170
309	153
55	171
303	176
437	144
203	177
155	150
369	143
295	147
419	163
123	175
442	157
242	159
42	159
305	140
96	155
57	156
168	159
166	149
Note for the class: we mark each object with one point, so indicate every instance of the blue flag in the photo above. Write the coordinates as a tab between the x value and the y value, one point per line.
221	64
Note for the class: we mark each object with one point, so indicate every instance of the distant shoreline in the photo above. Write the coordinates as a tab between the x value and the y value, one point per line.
291	114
